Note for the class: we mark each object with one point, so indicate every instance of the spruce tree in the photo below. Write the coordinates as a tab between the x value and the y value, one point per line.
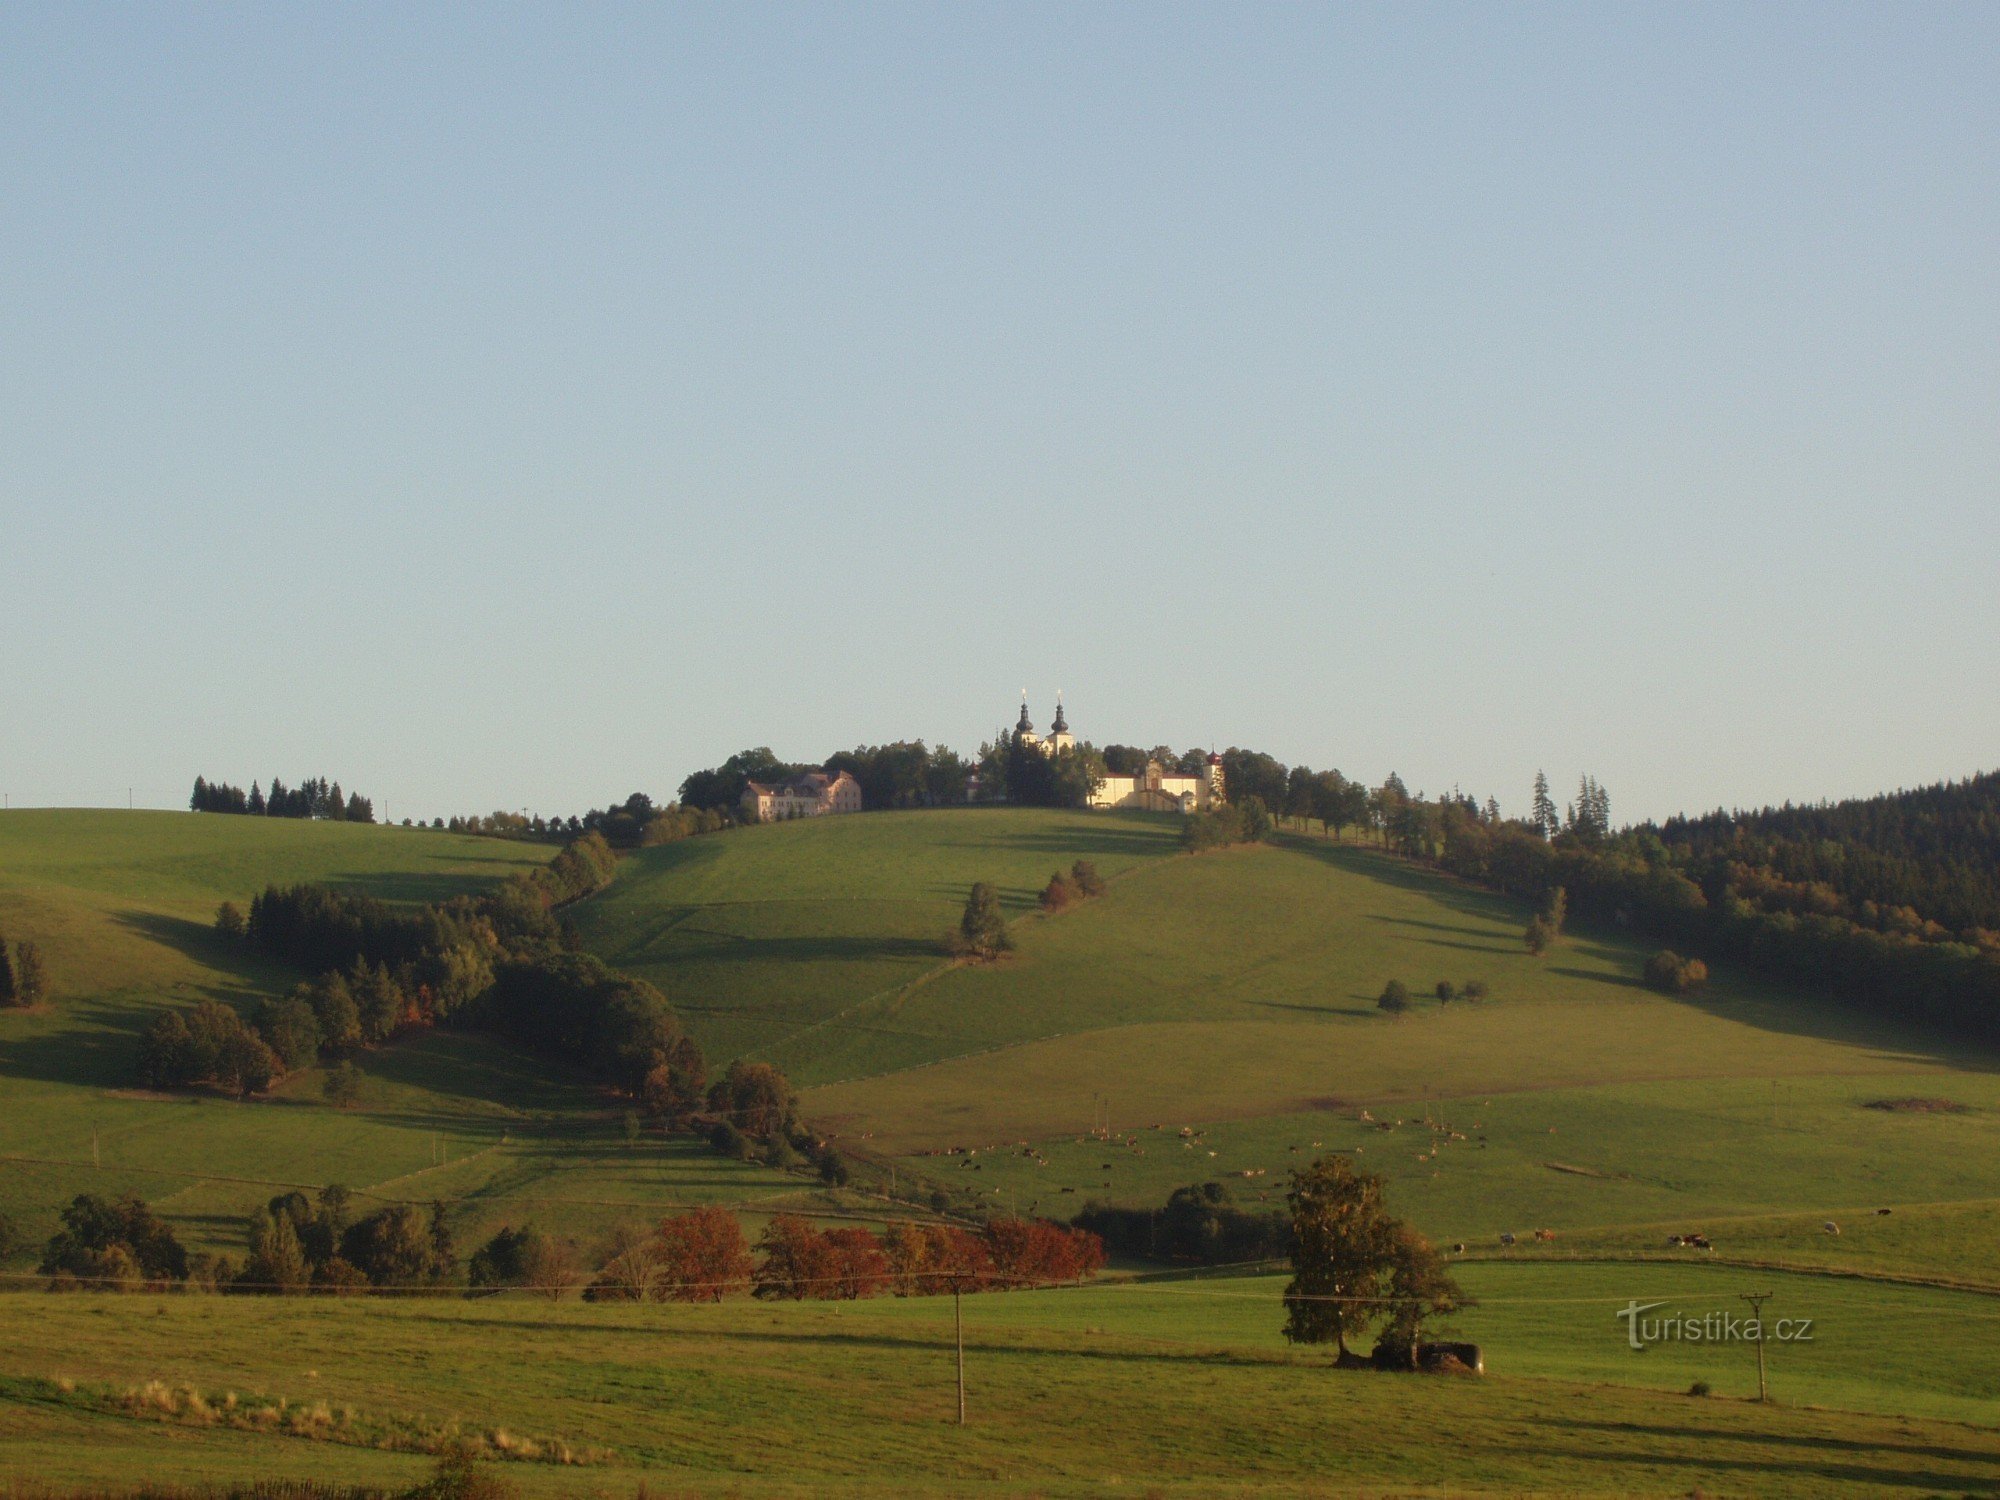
1543	816
256	798
31	982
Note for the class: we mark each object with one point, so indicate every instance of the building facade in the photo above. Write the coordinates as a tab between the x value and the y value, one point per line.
810	796
1155	787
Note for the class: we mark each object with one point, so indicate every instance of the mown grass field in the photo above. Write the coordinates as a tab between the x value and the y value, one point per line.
122	903
1181	1387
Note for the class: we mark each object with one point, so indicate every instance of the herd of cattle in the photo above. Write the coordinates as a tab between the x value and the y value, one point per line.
1695	1241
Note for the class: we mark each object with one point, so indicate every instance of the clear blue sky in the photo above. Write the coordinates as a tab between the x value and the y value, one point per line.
517	406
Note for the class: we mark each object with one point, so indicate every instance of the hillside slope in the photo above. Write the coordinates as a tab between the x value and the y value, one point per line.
122	904
762	934
1232	995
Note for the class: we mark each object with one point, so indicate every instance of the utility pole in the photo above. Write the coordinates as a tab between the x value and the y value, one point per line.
958	1334
1757	1301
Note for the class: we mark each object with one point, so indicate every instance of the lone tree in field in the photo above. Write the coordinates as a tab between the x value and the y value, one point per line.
1395	997
982	931
1341	1237
1354	1264
9	991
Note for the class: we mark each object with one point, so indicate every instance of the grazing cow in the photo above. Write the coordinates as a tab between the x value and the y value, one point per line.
1882	1211
1830	1227
1674	1240
1545	1236
1506	1239
1459	1248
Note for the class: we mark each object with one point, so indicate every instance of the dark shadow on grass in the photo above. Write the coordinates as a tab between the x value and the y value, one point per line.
1799	1440
1875	1478
810	950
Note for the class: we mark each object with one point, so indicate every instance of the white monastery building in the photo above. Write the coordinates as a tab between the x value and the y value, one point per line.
1156	788
807	796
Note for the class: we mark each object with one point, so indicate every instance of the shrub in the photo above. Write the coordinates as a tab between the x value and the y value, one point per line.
1395	997
1475	990
1087	880
727	1139
1059	894
1671	974
1446	991
1699	1388
458	1476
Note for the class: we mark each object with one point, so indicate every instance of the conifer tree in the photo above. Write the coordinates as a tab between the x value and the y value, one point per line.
30	978
256	799
1542	818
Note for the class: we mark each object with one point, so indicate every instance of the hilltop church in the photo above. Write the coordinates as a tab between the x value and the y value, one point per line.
1156	788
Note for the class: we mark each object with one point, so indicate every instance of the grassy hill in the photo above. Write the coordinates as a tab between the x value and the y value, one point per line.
783	939
122	902
1232	995
1218	1010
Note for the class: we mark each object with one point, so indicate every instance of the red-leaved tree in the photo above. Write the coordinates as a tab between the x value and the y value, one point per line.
700	1256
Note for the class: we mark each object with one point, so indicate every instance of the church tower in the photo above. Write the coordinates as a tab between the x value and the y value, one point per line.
1060	738
1024	731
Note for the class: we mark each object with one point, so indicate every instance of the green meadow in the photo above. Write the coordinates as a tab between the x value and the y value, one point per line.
787	940
122	903
1181	1387
1209	1017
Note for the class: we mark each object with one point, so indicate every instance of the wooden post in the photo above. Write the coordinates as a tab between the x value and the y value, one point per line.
1756	1301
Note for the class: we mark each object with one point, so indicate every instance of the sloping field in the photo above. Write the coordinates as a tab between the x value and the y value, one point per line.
122	903
1174	1388
1232	994
764	938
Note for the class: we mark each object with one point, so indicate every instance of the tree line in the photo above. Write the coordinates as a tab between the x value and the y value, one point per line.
315	797
321	1244
1745	898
